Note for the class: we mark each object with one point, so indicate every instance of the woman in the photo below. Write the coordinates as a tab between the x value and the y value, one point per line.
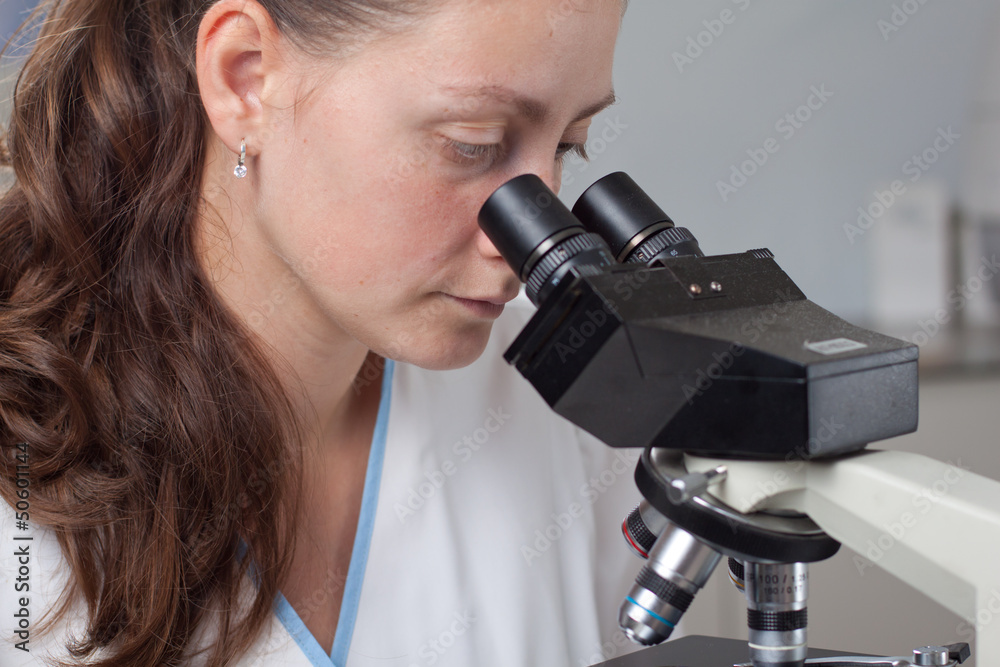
226	216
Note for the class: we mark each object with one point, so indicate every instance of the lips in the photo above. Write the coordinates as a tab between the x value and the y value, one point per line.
486	308
496	301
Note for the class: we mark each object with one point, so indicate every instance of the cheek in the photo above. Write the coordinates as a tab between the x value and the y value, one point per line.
431	221
372	209
380	251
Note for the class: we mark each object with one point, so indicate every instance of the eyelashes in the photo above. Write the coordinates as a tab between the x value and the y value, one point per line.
486	155
473	154
580	150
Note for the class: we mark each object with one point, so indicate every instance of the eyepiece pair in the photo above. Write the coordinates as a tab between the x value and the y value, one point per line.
613	221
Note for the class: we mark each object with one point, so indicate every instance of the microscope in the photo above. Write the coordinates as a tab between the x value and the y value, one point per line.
754	408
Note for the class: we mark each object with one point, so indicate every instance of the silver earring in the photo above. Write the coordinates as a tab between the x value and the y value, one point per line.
241	168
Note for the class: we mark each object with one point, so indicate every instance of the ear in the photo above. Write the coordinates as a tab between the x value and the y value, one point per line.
239	58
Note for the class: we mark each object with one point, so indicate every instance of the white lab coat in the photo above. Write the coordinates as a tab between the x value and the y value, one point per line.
489	535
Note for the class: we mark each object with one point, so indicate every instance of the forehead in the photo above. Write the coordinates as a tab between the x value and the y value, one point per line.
541	49
526	34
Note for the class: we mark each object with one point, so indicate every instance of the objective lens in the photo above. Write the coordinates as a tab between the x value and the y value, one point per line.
641	527
679	565
776	613
636	229
538	236
736	574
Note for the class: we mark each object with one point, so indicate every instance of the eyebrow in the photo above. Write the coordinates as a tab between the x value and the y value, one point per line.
534	110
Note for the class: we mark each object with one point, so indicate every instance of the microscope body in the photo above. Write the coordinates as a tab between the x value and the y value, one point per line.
754	408
716	355
754	378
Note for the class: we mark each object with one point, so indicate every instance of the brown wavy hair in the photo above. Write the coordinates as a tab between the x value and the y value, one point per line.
158	436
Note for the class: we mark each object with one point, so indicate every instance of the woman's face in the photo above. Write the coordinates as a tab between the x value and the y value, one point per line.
369	188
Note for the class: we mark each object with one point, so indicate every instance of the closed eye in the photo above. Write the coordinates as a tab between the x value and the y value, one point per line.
488	154
473	154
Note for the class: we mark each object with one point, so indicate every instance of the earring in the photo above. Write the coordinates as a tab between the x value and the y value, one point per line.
241	168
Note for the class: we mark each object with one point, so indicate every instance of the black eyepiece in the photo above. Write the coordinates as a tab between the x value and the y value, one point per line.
538	236
635	228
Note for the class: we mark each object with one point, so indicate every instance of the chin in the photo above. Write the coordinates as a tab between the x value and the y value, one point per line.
445	351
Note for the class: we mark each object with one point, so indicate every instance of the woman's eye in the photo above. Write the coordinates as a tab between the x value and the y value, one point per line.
488	154
473	154
566	148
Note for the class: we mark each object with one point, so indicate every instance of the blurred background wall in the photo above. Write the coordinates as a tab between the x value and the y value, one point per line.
857	139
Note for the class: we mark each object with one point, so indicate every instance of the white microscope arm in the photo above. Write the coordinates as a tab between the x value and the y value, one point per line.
934	525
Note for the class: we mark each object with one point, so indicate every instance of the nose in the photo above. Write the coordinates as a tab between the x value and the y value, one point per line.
486	247
497	264
483	244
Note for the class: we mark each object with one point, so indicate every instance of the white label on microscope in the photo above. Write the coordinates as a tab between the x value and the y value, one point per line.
835	346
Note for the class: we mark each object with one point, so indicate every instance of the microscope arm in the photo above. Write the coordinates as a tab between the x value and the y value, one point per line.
934	525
